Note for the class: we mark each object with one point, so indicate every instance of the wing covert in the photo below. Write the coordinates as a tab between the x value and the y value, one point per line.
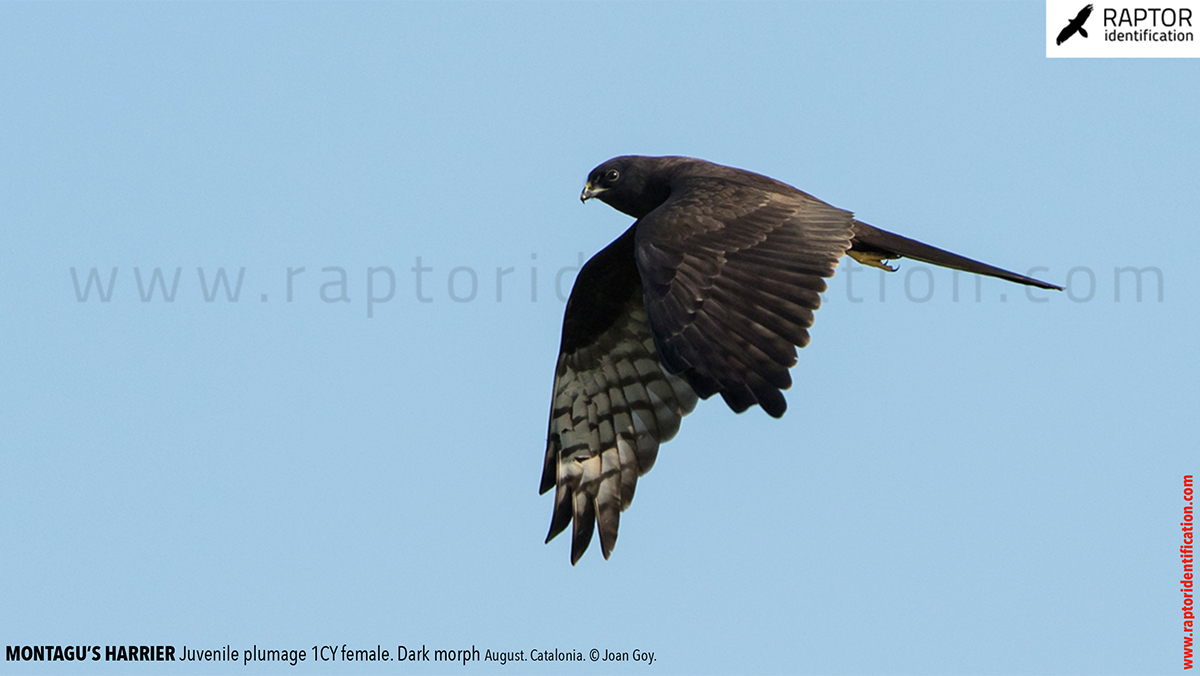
733	273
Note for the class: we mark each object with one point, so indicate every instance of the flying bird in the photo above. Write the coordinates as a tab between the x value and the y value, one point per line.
1075	25
710	291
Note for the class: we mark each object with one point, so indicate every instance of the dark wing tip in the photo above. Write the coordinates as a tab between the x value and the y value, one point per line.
774	404
584	524
561	517
579	544
550	463
607	541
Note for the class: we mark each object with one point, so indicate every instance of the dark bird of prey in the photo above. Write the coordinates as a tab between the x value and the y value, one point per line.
709	292
1076	25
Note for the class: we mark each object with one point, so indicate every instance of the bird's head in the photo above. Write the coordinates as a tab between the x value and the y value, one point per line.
630	184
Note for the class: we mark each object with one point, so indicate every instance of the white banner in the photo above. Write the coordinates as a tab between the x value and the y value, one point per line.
1123	29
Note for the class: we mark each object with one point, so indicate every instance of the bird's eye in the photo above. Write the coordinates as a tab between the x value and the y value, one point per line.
611	176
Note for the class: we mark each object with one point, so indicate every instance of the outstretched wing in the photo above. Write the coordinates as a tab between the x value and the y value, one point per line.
733	272
613	401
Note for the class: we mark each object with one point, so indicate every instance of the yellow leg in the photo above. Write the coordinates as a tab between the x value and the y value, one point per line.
875	260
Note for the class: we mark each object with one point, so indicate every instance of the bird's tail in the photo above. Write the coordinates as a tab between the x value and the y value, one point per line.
873	245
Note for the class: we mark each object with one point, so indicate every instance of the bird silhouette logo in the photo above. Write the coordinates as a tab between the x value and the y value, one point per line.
1076	25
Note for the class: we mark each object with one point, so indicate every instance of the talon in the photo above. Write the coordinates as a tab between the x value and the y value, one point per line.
872	258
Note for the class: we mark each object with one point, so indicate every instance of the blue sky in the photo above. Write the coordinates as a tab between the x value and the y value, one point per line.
991	484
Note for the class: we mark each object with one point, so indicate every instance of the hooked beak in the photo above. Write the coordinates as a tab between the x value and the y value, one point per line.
589	192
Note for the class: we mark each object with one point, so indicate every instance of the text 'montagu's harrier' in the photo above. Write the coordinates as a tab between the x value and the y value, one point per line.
710	291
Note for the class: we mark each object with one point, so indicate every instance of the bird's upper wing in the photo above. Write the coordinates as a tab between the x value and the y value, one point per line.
732	273
613	401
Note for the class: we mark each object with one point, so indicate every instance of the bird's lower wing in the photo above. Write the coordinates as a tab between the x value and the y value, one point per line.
613	401
872	246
